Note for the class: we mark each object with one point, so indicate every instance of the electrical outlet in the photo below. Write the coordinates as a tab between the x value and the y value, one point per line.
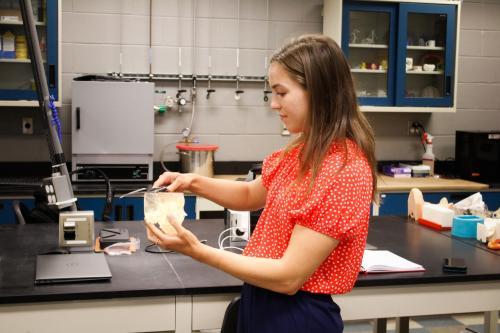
27	125
412	129
285	131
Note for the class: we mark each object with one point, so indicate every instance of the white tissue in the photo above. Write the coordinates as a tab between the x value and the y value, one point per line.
473	203
118	249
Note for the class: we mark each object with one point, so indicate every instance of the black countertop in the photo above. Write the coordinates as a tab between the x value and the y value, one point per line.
428	248
472	242
146	274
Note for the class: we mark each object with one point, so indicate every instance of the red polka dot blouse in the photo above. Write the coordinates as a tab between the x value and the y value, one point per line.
337	206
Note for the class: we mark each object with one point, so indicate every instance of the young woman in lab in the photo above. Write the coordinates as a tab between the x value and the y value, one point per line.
316	193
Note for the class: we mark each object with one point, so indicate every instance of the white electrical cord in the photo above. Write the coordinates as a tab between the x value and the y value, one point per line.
231	236
220	241
162	152
223	232
210	38
232	248
267	38
236	93
120	64
150	49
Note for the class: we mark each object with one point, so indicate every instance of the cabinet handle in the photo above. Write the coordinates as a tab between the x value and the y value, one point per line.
78	118
130	213
448	85
52	76
118	213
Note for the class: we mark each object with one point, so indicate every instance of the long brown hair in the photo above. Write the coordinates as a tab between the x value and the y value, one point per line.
317	63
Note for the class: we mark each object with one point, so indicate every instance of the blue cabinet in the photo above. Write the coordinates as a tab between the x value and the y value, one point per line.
7	215
401	54
430	79
17	85
369	43
129	208
126	209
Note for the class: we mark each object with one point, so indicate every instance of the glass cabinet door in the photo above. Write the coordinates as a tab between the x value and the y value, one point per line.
368	41
16	73
426	48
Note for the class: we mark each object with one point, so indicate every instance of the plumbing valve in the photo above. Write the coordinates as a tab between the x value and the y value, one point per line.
209	89
238	91
266	92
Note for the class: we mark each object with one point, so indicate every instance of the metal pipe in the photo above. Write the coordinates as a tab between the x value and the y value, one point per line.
175	77
55	149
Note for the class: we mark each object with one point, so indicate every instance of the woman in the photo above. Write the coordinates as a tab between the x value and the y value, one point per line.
316	194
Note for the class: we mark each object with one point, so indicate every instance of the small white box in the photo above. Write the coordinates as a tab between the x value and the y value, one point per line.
438	214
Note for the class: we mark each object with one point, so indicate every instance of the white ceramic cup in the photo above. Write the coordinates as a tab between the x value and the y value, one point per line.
409	63
429	67
430	43
417	68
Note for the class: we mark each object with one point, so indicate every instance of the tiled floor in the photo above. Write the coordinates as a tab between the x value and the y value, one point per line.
429	324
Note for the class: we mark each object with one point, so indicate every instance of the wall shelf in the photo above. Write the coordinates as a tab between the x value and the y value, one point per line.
424	72
7	22
25	61
369	46
369	71
425	48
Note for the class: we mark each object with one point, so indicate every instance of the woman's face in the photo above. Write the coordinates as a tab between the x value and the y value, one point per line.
289	99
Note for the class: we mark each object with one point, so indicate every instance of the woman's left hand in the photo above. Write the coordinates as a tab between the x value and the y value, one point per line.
184	241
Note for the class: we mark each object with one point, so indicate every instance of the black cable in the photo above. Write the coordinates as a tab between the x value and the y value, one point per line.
56	251
108	204
160	250
420	130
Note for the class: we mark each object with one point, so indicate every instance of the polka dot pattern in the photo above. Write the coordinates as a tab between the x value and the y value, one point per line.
338	206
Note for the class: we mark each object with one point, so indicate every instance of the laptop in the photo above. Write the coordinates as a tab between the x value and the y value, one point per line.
74	267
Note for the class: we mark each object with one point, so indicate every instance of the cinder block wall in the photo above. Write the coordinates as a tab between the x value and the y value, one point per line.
96	33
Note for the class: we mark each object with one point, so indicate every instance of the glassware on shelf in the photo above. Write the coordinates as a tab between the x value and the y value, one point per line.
368	52
424	78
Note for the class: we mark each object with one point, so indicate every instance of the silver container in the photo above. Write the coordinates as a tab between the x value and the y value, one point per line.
200	162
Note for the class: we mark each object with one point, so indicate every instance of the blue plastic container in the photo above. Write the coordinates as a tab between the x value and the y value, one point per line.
465	226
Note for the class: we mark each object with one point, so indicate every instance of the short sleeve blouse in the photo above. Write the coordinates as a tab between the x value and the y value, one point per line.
338	205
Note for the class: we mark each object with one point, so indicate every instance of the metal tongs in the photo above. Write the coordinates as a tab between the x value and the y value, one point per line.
145	189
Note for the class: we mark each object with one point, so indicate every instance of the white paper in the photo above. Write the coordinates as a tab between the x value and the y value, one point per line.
377	261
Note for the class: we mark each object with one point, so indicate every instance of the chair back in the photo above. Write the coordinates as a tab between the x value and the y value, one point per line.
230	321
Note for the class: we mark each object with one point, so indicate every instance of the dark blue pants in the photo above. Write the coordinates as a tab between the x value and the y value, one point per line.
264	311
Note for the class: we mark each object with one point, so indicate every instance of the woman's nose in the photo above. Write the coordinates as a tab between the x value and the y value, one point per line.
274	103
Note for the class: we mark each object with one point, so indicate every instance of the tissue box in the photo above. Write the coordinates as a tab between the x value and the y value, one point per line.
436	217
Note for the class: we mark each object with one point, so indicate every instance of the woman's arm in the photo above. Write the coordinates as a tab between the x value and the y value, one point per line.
305	253
227	193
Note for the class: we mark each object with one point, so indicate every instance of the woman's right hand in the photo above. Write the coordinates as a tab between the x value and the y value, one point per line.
176	182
